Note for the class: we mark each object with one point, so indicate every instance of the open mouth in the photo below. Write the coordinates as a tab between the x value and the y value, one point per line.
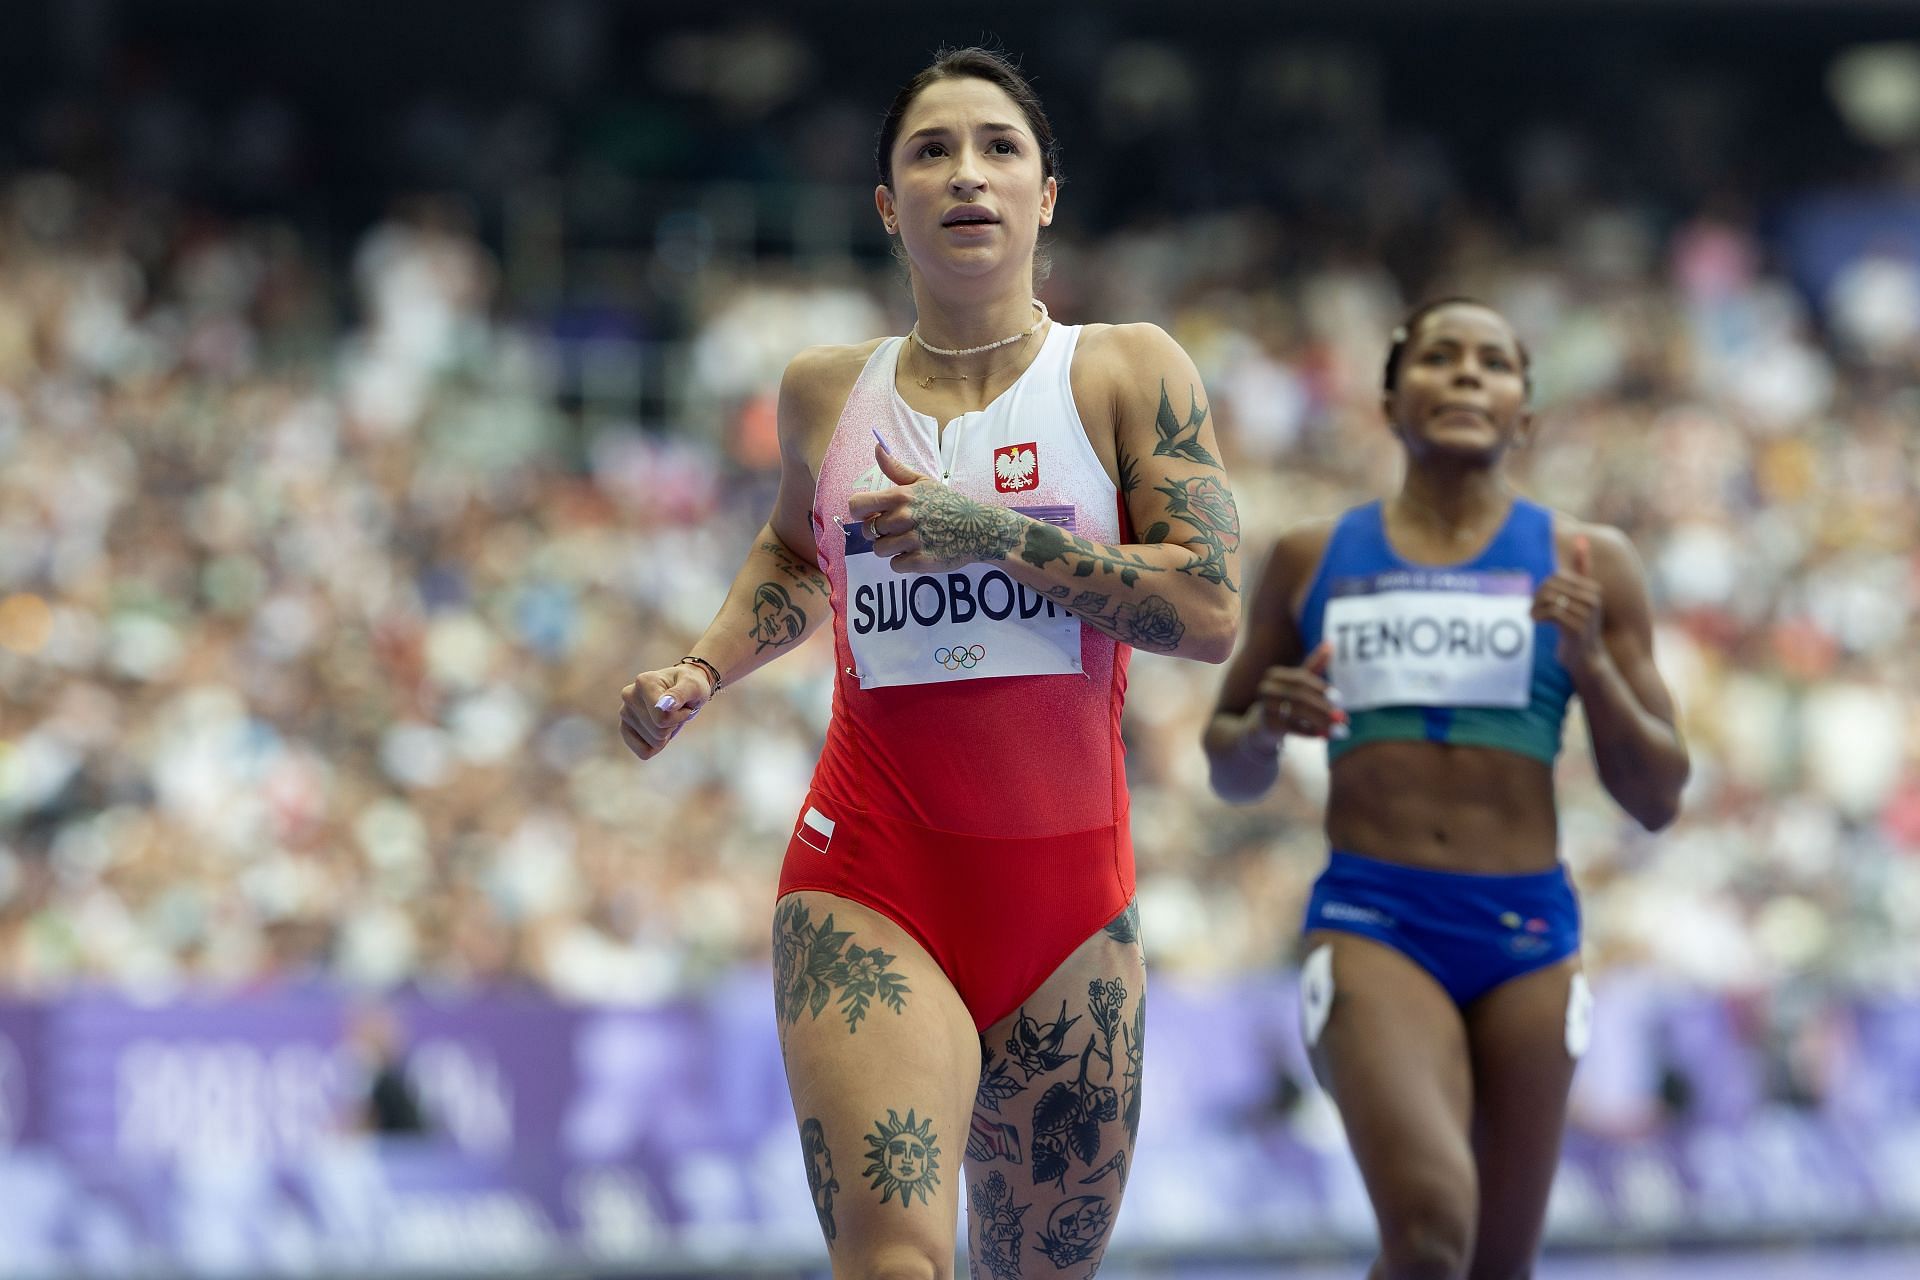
968	218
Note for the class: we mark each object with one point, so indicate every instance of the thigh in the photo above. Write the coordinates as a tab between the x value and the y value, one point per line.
1523	1041
1393	1053
1056	1115
882	1061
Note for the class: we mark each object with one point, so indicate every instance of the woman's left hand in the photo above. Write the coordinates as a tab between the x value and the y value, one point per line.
1571	600
921	526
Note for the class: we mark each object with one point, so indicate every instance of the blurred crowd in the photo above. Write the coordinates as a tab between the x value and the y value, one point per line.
319	580
311	633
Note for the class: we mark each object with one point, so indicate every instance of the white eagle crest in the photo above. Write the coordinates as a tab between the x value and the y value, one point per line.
1015	467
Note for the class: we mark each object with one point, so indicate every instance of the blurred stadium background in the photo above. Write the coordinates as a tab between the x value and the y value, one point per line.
382	385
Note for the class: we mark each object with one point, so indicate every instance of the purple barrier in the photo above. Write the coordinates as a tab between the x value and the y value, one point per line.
218	1136
22	1105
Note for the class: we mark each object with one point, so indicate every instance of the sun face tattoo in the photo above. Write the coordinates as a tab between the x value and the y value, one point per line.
905	1158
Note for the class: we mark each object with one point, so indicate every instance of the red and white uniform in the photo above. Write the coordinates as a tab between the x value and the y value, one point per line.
973	784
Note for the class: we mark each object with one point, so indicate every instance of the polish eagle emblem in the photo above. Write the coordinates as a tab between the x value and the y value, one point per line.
1016	468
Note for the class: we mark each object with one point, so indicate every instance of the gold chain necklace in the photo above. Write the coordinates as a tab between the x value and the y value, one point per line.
926	381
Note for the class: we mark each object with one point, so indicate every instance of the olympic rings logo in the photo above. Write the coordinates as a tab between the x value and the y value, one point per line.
960	657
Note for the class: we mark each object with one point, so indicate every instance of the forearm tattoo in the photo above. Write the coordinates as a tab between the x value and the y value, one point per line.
812	964
1179	439
958	530
800	575
777	620
1208	506
1152	623
905	1158
1046	543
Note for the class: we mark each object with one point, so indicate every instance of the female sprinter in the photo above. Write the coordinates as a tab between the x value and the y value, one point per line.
957	967
1435	640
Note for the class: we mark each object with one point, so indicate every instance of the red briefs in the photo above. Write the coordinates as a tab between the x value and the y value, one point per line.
997	914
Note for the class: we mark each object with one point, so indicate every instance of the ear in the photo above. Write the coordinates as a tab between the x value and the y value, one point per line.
1048	196
889	216
1523	430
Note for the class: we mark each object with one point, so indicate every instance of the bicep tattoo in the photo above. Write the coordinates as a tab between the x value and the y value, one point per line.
1206	504
1179	439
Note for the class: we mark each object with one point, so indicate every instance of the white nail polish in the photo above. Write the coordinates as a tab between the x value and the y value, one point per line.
1339	732
666	703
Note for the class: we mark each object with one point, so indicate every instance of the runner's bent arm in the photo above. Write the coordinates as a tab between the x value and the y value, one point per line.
1637	748
1176	591
1243	738
778	598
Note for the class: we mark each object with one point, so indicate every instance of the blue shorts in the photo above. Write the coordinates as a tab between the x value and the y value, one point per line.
1471	932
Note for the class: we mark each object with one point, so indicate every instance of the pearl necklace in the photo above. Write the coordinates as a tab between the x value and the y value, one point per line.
1028	332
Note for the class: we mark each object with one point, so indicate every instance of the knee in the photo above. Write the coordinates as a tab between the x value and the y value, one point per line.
1429	1238
895	1262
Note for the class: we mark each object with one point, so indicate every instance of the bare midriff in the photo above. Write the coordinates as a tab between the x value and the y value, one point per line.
1445	808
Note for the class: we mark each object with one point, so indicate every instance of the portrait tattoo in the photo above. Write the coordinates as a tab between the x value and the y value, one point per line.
812	965
820	1179
1179	439
905	1158
777	620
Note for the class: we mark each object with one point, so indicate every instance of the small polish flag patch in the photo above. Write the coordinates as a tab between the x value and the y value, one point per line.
1016	468
815	830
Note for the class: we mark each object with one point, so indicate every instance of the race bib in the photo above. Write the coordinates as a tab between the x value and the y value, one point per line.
963	624
1432	638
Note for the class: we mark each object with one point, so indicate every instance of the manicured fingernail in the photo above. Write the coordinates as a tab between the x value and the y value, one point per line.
666	703
1338	731
877	440
1339	717
1333	696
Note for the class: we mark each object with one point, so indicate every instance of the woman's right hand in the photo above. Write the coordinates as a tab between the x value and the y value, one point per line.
658	704
1299	701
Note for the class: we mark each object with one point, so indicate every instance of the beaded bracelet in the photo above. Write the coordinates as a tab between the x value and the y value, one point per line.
713	672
